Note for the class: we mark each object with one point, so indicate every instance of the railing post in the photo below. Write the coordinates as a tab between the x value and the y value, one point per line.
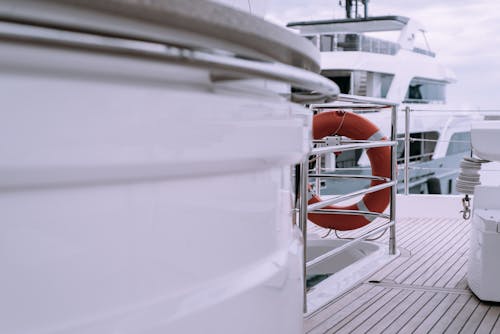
407	148
394	176
317	182
304	170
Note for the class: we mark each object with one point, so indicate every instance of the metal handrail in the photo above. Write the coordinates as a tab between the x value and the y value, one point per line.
349	212
414	140
350	195
349	176
375	101
478	110
226	66
416	158
349	147
319	208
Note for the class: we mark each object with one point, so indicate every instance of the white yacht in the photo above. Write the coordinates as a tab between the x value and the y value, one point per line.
388	57
154	177
145	178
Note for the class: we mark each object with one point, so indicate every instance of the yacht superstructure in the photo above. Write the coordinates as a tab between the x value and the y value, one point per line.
364	65
429	288
388	57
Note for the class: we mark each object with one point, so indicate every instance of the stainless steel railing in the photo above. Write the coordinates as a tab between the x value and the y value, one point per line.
412	162
352	103
223	66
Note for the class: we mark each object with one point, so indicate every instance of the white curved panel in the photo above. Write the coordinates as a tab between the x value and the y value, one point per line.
136	202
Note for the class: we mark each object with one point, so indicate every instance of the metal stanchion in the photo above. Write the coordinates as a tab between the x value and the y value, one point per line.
304	169
407	148
394	176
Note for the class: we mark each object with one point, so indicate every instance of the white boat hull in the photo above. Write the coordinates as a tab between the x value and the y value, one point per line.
138	197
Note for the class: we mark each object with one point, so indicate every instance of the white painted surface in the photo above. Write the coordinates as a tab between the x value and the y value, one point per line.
483	271
347	268
429	206
421	66
101	232
485	136
490	173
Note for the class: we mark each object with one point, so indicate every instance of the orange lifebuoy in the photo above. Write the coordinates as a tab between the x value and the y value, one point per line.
356	127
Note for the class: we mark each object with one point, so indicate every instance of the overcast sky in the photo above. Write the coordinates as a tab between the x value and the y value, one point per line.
465	34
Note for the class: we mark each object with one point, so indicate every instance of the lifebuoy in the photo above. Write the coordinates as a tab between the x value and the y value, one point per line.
356	127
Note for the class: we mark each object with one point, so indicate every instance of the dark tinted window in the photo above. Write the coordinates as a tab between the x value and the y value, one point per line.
422	146
424	91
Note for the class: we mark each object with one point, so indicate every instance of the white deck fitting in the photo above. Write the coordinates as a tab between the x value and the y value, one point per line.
422	291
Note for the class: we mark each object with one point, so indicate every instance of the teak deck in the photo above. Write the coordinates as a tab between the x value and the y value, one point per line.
424	290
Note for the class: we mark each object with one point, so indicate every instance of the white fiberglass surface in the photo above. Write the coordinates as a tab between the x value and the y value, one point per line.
485	136
316	248
341	272
144	203
147	256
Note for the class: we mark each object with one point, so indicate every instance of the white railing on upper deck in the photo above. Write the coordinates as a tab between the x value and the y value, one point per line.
358	42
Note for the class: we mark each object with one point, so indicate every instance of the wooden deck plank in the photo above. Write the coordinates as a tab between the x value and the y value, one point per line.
461	273
408	229
489	320
396	311
366	324
424	265
439	263
426	325
423	291
423	234
447	317
496	326
316	320
462	317
445	264
475	319
463	284
424	252
421	315
414	247
458	266
361	313
342	309
410	307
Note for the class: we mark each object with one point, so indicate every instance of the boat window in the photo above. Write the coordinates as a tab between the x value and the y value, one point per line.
341	78
459	143
385	84
425	91
348	159
327	43
421	45
422	146
355	42
361	83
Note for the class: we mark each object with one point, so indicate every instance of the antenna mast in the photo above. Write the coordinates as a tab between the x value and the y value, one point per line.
349	4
